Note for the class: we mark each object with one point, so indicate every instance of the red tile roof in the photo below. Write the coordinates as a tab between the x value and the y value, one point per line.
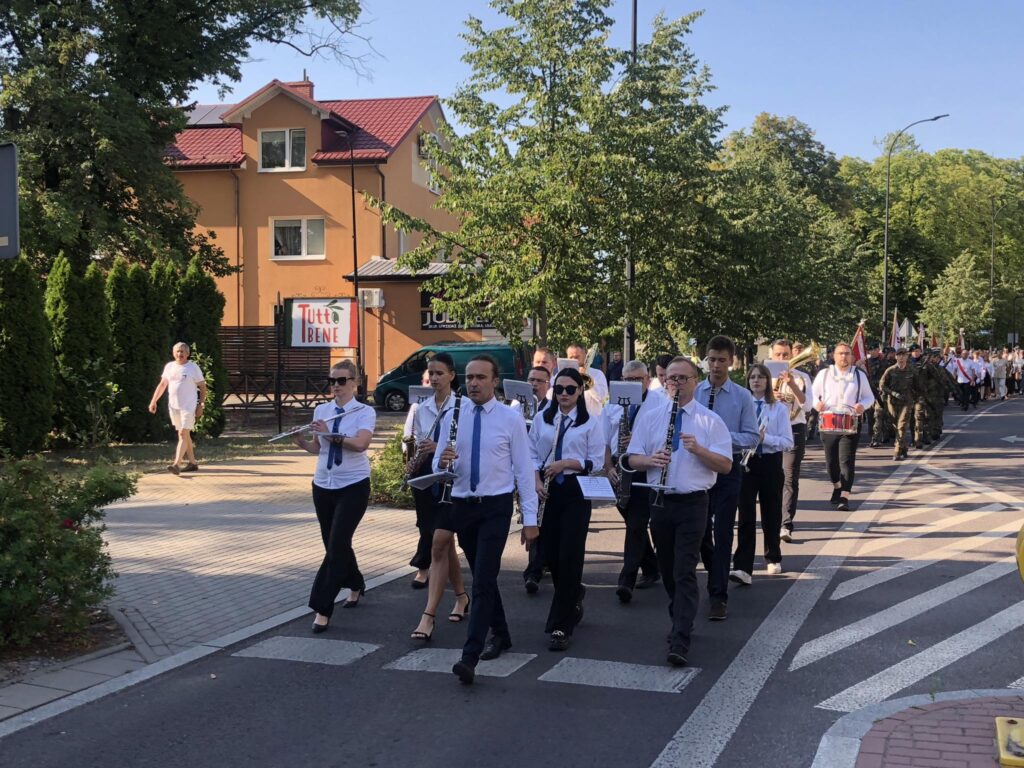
382	125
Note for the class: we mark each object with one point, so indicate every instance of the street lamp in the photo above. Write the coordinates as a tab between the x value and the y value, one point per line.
628	331
345	134
885	245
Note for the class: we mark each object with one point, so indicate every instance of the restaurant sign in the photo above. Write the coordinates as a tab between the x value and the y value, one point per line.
321	323
432	319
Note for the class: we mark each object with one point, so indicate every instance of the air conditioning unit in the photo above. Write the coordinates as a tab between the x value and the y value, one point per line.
371	298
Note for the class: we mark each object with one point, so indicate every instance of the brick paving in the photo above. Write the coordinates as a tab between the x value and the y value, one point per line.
949	734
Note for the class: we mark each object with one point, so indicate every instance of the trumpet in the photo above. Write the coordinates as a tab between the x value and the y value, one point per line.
813	352
762	423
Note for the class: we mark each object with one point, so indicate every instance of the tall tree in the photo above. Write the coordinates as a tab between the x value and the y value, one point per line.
959	299
132	359
199	310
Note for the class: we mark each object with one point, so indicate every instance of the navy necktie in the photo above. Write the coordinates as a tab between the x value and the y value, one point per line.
760	405
474	462
334	454
563	425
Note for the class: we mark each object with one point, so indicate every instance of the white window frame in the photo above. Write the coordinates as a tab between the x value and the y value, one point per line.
288	167
304	256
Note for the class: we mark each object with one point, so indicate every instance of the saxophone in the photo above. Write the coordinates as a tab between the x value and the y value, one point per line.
418	456
625	485
453	435
658	502
542	502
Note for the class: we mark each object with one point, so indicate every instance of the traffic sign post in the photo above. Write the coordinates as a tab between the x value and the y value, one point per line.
9	235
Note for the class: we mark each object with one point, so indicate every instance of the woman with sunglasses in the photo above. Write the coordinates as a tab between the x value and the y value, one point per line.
342	430
565	442
763	480
436	556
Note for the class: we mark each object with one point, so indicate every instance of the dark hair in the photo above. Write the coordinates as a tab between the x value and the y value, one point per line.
448	362
769	393
663	360
722	344
487	359
542	369
581	404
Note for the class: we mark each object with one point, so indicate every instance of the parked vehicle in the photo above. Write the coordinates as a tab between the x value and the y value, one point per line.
392	390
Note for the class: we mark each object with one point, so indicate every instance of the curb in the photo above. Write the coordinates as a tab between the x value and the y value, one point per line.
840	746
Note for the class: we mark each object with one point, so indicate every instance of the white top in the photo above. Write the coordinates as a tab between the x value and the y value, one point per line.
805	385
422	416
584	442
354	465
656	385
686	473
834	388
779	433
962	369
505	463
182	385
612	416
600	385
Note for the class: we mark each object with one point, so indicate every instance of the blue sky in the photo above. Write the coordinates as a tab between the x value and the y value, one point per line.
854	70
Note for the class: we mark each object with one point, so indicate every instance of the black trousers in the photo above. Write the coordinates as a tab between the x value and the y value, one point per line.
764	482
338	512
482	528
840	457
535	561
637	551
426	522
564	530
678	530
791	463
716	549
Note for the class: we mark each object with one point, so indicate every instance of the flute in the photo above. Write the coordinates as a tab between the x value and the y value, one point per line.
307	427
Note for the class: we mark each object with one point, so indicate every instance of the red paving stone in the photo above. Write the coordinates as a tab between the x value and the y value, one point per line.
949	734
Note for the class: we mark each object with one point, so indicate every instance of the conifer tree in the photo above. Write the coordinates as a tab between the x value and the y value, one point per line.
127	292
199	310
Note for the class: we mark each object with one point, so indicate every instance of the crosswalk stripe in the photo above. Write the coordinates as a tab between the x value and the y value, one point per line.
1017	684
881	686
307	649
844	637
968	499
891	539
963	482
617	674
882	575
442	659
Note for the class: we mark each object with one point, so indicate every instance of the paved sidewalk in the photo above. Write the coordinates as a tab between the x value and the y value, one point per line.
201	555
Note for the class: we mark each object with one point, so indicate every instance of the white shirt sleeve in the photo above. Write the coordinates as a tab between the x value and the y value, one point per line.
778	435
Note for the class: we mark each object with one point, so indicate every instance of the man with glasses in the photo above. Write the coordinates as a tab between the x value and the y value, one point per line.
700	451
637	551
735	406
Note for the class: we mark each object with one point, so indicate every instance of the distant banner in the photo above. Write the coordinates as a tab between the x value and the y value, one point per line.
321	323
433	320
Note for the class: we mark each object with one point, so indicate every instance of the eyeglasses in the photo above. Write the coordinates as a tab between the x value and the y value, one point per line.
679	379
340	381
634	378
569	389
536	381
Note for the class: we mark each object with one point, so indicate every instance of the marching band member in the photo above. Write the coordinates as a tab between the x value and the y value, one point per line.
341	489
637	551
794	388
435	554
578	353
660	364
735	406
490	459
565	440
764	480
539	379
842	384
700	447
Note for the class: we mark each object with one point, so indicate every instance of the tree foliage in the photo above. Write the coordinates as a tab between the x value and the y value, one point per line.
132	360
959	300
199	309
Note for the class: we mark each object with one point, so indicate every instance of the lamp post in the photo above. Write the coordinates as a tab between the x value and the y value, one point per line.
342	133
885	241
628	334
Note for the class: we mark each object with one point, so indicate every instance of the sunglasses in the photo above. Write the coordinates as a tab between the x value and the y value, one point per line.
568	389
341	381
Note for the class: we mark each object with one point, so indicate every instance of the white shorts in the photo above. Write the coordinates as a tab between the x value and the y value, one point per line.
183	419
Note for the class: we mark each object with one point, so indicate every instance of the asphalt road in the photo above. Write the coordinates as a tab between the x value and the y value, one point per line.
913	592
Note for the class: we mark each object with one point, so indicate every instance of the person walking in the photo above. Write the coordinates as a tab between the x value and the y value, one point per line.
186	393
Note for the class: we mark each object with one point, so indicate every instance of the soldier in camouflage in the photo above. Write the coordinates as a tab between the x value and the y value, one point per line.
899	387
881	431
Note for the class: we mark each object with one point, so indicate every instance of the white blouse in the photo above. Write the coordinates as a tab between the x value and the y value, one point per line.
584	442
354	465
778	435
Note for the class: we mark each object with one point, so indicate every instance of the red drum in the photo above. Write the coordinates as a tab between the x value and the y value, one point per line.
840	420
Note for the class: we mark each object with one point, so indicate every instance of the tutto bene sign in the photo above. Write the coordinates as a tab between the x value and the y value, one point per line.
321	323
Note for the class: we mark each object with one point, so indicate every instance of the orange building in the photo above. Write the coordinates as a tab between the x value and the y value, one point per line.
271	176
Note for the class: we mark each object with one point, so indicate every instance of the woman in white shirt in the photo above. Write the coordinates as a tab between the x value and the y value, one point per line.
763	479
341	488
565	441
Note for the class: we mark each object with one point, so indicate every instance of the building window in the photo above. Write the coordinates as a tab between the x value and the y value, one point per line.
300	238
283	149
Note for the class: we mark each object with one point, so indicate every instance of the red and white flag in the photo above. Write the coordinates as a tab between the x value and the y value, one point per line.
858	345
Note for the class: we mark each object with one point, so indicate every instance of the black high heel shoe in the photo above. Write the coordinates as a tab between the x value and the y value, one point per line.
318	628
424	637
457	617
350	603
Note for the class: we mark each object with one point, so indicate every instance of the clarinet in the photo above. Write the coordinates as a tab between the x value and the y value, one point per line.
658	502
418	456
453	434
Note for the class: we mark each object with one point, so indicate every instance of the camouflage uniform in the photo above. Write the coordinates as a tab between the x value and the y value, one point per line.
898	386
881	431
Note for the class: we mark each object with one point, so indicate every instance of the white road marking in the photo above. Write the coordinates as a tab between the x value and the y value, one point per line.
891	539
442	659
920	507
1017	684
284	648
881	686
844	637
616	674
701	739
963	482
882	575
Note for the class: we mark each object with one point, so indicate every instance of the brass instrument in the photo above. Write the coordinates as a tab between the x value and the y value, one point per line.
813	352
658	502
453	435
414	448
588	362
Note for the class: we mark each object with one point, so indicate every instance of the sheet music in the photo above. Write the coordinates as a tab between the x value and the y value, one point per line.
425	481
596	488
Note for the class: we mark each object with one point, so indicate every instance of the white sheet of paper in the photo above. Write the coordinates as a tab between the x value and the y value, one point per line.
596	488
418	393
626	393
424	482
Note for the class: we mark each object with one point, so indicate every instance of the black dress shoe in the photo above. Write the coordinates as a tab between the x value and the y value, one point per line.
559	641
318	628
718	612
579	605
676	658
463	670
494	647
531	585
625	594
646	582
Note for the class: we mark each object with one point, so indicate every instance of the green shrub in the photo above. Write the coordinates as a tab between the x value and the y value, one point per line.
198	311
54	568
387	469
136	367
211	422
161	331
26	376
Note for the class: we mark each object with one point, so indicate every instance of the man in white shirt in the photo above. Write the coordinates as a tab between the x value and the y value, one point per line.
963	371
578	353
490	459
700	450
186	394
